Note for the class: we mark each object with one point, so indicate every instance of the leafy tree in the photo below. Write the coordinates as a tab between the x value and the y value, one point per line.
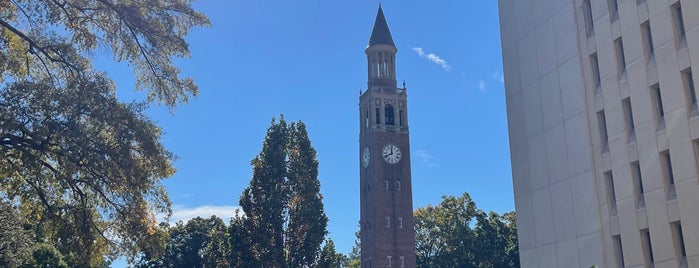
55	39
264	201
216	252
448	236
85	168
239	243
45	255
307	221
497	240
284	220
81	164
191	244
15	242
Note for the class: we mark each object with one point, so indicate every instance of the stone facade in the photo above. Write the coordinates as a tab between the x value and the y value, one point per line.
604	130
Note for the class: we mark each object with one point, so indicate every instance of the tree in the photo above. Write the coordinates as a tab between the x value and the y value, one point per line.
192	244
329	258
354	260
264	201
284	219
86	169
497	240
45	255
15	242
239	243
55	38
307	222
447	236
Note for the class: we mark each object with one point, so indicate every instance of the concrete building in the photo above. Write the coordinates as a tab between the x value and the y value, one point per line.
604	130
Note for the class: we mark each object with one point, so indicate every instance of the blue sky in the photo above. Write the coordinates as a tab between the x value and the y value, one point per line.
305	59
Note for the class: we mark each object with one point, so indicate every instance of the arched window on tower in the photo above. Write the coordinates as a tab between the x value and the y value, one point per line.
379	65
378	116
388	112
366	118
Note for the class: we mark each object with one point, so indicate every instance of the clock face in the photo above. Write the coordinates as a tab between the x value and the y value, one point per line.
365	157
391	154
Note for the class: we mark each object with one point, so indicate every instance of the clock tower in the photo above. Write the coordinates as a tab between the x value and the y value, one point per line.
387	232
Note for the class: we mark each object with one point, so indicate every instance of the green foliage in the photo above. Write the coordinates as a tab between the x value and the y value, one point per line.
80	164
284	222
198	243
55	39
354	260
15	242
84	168
45	255
447	236
329	258
307	222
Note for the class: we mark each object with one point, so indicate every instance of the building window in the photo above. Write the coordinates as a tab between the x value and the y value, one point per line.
678	238
388	222
389	260
647	248
613	10
638	184
397	185
688	80
680	32
648	42
611	194
596	78
628	118
618	250
602	122
658	106
589	20
366	118
400	222
669	177
388	112
378	116
620	60
402	261
400	117
385	185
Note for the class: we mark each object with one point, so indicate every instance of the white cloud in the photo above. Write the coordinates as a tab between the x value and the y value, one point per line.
498	76
481	85
433	58
425	158
184	213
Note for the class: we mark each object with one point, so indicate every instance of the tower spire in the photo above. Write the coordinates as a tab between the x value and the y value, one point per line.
381	35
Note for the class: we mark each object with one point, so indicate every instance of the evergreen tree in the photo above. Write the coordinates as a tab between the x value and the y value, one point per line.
329	258
307	222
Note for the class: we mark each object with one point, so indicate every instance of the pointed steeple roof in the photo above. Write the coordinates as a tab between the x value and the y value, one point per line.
381	35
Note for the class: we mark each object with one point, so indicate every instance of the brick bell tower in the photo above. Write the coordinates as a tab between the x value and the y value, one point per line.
387	233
